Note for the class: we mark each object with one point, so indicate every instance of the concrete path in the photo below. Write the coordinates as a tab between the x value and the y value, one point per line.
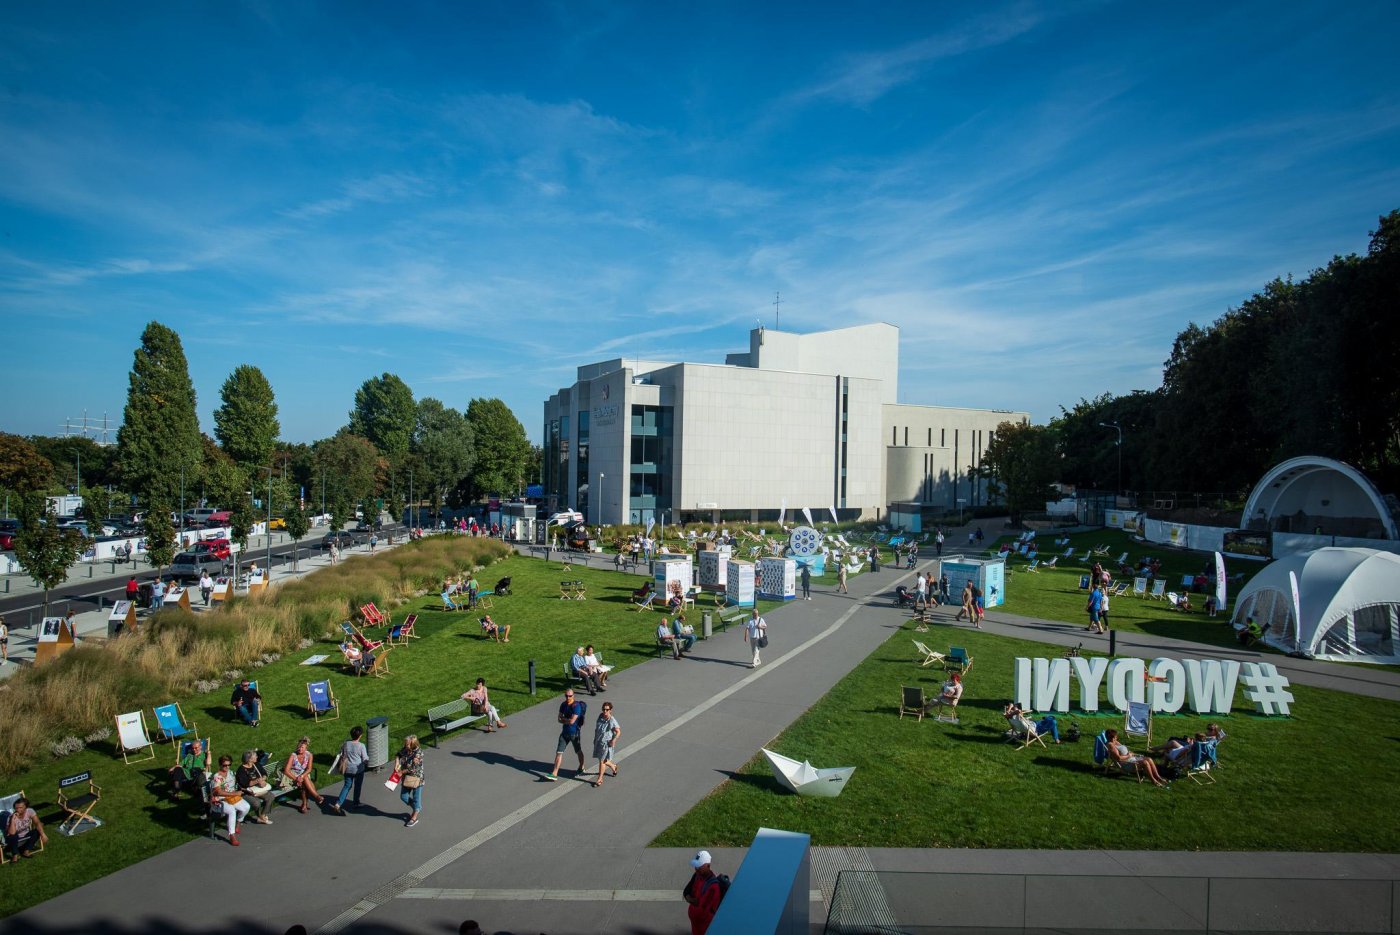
499	844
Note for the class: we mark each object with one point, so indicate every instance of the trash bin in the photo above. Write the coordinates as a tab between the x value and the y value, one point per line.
143	594
706	624
377	741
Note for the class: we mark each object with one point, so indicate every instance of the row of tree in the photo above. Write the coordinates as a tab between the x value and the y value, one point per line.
392	448
1300	368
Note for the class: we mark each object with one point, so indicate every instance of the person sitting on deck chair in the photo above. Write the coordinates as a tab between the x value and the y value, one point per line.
949	696
501	634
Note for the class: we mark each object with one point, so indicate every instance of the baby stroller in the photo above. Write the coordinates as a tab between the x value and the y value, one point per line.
502	587
903	597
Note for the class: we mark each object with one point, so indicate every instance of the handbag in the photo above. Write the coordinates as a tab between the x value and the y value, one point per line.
232	798
392	783
338	765
412	782
285	782
261	788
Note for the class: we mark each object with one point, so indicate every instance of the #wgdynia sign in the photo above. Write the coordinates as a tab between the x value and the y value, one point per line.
1205	686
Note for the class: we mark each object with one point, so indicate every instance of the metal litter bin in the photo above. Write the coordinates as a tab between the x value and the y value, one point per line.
706	624
377	741
145	594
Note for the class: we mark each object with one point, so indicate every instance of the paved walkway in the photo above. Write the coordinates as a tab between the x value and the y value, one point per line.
499	844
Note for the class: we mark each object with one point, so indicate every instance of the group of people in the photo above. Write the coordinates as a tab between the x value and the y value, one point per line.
586	667
677	634
974	604
606	731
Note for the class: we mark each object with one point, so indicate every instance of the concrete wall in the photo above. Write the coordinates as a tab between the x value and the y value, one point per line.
867	351
929	449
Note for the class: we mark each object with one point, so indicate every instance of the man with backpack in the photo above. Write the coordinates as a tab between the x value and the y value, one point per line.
571	715
704	892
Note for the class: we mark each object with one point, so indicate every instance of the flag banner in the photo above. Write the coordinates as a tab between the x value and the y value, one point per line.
782	512
1219	581
651	521
1297	607
832	510
808	513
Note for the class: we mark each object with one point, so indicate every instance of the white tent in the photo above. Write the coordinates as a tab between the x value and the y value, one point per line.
1348	599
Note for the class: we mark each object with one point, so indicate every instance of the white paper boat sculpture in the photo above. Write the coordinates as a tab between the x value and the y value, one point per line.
805	779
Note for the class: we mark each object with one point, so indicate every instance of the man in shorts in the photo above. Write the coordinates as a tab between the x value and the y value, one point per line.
571	714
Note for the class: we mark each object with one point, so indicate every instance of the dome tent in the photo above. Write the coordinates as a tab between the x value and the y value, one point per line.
1349	599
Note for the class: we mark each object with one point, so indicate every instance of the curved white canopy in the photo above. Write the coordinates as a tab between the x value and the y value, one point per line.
1348	601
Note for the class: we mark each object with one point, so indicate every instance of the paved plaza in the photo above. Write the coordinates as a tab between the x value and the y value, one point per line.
500	845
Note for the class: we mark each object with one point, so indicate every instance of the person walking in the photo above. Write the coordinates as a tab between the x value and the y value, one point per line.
354	757
920	592
756	635
409	764
605	734
874	558
938	541
806	583
133	590
571	714
703	894
967	606
1103	611
4	642
841	580
157	595
1094	607
206	586
979	606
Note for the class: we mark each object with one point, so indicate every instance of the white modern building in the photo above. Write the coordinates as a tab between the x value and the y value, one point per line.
798	420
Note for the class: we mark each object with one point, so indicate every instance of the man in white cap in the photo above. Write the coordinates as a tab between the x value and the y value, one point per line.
703	893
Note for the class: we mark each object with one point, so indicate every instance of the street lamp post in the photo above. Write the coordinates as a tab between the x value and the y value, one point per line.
1119	429
599	497
267	530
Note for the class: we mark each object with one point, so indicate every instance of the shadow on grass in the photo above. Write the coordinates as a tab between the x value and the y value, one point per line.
757	780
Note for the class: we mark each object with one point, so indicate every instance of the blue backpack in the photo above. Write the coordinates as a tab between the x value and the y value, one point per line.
572	730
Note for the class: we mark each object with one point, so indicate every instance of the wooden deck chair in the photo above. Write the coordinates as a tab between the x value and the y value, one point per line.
958	661
373	616
1100	549
1203	762
1031	566
448	603
7	805
1137	721
320	700
1119	589
1159	589
1109	765
364	642
927	657
132	738
1121	560
1139	587
1054	560
1069	553
645	603
403	632
77	796
911	701
484	600
170	721
1023	732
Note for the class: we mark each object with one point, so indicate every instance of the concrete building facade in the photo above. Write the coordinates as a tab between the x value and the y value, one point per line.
805	420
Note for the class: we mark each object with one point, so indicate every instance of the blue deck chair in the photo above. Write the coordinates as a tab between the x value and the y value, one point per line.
1203	761
957	661
1137	721
170	721
448	603
321	700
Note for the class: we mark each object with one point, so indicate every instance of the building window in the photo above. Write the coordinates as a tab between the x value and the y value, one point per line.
581	484
942	438
894	435
650	463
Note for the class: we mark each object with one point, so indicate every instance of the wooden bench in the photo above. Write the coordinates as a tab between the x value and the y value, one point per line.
445	717
736	615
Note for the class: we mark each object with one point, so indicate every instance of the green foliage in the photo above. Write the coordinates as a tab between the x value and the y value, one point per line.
443	451
502	449
98	463
99	502
385	414
1022	463
298	525
241	519
246	424
22	468
341	510
43	550
347	463
160	430
160	535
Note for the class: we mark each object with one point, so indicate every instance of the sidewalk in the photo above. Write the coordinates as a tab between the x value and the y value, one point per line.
500	845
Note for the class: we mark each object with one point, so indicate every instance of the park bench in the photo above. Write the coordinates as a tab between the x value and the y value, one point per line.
735	615
445	717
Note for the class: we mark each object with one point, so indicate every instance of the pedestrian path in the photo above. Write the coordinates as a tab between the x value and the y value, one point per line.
499	844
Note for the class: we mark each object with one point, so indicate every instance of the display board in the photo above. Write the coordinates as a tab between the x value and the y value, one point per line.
714	564
55	639
739	584
987	574
672	568
777	579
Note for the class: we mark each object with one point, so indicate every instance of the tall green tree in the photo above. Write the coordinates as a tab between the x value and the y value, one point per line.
501	446
43	550
298	525
160	535
443	449
159	437
385	414
23	469
78	461
1021	462
246	423
347	464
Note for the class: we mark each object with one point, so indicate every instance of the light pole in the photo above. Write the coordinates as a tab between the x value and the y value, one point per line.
599	497
1119	429
267	530
413	510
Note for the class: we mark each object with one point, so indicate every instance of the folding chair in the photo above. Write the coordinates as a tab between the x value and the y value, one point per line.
566	590
1109	765
1159	589
1023	732
1083	582
321	700
1069	553
1137	721
483	600
77	795
1119	589
1054	560
448	603
927	657
1203	760
1100	550
645	603
7	805
373	616
132	737
1139	587
403	632
170	721
364	642
911	701
1031	566
958	661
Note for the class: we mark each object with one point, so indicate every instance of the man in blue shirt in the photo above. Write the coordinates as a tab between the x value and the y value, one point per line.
579	663
571	714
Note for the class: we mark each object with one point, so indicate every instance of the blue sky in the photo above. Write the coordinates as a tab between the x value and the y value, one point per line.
481	196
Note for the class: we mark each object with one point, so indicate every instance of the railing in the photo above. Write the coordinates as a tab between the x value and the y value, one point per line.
923	903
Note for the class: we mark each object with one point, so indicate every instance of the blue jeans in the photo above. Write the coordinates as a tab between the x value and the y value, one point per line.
1047	726
413	798
249	712
357	780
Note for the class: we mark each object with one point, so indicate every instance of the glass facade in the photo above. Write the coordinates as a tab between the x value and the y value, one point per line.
581	476
650	463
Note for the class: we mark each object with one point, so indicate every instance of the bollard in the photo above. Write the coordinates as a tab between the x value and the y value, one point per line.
532	676
89	571
1112	643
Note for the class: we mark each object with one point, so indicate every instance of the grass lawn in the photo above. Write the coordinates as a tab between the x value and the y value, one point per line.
1054	594
141	821
929	784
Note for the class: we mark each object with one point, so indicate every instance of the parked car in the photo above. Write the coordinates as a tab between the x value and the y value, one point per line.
219	548
346	538
189	565
199	516
278	522
9	528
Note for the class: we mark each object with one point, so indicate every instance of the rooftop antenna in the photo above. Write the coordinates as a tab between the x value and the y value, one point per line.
777	301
